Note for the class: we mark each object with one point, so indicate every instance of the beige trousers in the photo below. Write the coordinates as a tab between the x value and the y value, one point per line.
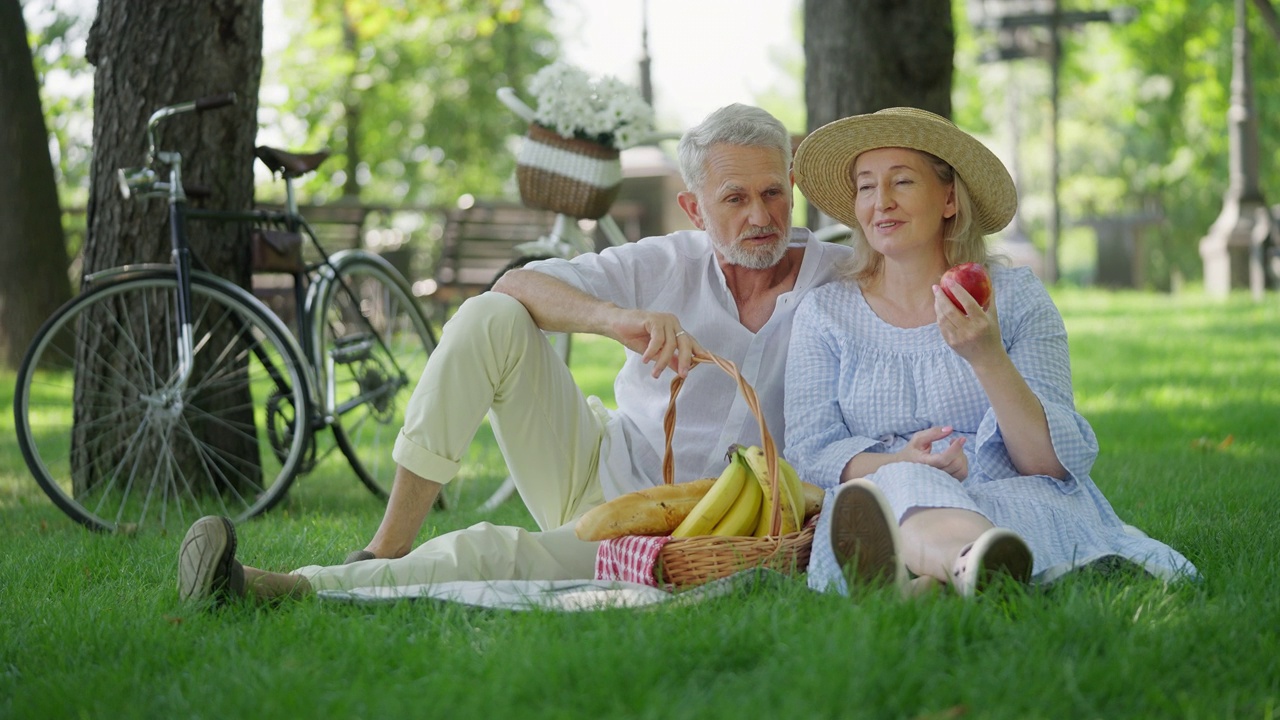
492	358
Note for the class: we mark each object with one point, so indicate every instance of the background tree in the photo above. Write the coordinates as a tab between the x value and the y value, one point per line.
147	55
33	253
405	93
867	55
1143	126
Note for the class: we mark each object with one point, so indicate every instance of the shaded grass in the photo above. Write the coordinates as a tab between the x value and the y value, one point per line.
90	626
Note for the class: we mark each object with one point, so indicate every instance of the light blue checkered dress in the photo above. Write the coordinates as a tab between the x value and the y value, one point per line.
857	384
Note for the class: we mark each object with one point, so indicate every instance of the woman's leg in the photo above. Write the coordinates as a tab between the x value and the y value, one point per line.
933	538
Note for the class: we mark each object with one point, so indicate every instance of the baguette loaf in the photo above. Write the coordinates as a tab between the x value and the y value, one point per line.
652	511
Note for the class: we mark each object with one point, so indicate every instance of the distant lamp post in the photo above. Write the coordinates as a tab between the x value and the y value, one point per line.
1234	251
646	70
1012	21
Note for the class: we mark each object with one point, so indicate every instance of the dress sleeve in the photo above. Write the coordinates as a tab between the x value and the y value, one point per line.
818	441
1036	340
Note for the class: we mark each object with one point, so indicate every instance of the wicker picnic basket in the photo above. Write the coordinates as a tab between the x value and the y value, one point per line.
688	562
579	178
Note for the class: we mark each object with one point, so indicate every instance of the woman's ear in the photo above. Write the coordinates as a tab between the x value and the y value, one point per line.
949	208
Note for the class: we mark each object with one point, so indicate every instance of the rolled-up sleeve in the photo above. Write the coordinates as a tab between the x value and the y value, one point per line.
616	275
818	440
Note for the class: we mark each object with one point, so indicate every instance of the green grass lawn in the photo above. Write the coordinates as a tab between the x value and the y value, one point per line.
1184	395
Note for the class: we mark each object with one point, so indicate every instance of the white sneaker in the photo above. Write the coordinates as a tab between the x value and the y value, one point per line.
864	536
996	552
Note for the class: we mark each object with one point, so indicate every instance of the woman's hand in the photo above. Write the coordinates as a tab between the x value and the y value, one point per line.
973	333
919	449
658	338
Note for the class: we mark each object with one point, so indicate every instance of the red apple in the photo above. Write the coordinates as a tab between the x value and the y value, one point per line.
973	278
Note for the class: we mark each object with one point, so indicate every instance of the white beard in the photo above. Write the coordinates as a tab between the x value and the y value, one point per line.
761	258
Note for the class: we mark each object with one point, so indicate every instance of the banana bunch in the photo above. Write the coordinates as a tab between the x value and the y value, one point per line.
740	502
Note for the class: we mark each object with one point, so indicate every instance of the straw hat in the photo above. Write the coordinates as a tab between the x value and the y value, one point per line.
824	160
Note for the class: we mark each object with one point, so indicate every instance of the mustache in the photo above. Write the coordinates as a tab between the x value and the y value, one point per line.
756	232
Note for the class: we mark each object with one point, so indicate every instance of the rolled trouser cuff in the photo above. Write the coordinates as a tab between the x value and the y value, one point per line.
422	462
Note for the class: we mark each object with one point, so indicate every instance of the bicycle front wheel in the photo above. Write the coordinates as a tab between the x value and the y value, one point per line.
373	342
121	441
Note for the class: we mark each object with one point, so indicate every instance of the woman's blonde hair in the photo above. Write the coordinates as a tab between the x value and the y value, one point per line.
961	240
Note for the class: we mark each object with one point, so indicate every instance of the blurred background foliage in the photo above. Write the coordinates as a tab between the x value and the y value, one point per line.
404	93
1143	108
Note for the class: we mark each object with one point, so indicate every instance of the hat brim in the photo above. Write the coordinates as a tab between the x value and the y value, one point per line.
824	161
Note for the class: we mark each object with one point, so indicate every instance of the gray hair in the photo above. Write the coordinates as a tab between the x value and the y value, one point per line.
735	124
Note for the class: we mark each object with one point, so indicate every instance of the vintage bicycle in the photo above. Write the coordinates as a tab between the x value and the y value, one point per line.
163	392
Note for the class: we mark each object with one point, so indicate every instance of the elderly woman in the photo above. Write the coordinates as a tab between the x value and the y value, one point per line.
947	435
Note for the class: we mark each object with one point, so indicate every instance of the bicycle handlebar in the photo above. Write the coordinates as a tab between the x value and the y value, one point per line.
515	104
215	101
143	180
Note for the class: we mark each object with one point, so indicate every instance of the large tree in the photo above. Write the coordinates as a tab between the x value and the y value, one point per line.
867	55
151	54
147	55
33	254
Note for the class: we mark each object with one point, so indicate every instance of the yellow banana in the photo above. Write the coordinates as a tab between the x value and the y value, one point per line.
765	521
743	514
704	516
795	491
813	497
792	514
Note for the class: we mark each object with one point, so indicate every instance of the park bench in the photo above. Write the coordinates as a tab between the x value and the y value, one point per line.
479	240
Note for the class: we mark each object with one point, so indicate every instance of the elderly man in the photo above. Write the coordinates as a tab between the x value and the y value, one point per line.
730	287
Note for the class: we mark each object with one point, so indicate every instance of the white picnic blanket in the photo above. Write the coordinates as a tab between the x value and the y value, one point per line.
565	595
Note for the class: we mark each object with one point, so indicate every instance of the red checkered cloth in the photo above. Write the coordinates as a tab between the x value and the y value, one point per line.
630	558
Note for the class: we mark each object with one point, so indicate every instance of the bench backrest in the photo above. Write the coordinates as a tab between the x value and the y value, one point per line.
479	241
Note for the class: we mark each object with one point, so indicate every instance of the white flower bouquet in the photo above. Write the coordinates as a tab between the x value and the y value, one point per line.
604	110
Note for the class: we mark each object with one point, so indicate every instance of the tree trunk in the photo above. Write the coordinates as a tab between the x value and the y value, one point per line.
33	250
866	55
148	55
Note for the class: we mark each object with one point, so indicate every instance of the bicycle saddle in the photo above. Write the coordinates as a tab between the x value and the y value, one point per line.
290	165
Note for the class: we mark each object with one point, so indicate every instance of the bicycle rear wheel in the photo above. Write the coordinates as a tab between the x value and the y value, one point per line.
119	443
373	342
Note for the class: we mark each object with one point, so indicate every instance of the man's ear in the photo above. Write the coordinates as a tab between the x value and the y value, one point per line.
689	203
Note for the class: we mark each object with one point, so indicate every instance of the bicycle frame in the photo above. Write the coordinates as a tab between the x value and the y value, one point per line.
142	182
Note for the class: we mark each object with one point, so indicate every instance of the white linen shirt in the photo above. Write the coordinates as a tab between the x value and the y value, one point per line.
678	273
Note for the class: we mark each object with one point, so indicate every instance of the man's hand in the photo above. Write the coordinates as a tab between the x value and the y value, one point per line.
658	338
951	461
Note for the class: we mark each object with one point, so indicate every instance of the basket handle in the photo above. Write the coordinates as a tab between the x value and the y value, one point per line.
753	403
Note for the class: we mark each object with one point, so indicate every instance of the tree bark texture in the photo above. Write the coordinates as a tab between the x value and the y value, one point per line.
148	55
33	251
867	55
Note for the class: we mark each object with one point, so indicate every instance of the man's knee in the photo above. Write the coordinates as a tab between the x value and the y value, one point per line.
491	308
